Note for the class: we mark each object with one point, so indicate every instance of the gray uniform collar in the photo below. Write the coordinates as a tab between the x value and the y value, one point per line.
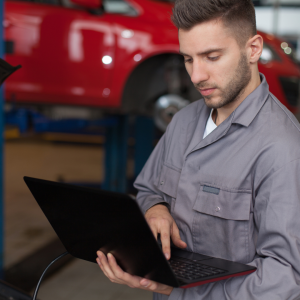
244	114
249	108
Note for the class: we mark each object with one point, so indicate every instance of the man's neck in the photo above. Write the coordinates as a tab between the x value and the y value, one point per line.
224	112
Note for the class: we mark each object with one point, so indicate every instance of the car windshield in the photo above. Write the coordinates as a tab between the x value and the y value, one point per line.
290	3
119	7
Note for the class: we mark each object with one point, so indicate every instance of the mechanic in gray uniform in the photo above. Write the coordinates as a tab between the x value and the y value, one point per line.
224	179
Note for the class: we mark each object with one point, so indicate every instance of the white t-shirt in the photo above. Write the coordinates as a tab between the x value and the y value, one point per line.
210	125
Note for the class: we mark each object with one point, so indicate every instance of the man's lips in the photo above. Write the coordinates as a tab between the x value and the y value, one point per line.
206	92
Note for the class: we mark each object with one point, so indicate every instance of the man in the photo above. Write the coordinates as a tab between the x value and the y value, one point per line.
223	180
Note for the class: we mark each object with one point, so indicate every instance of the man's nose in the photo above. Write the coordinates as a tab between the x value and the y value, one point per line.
199	73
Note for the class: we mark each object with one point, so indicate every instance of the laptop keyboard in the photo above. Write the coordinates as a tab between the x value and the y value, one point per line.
190	269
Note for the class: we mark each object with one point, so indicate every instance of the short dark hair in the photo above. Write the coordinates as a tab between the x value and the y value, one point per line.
238	15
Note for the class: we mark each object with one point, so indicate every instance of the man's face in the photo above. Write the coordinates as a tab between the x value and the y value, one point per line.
218	67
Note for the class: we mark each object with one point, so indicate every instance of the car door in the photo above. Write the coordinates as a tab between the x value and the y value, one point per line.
66	53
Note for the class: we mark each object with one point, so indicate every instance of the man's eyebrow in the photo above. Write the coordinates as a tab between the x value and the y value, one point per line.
183	53
204	52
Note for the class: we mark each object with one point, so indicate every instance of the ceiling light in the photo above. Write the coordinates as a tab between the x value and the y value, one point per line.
284	45
288	50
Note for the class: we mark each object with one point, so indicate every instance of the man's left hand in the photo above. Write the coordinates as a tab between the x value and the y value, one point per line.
115	274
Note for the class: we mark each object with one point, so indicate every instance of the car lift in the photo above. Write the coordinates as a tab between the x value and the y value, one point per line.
117	130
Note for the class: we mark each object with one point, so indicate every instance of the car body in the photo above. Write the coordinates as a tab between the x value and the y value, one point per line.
121	59
282	18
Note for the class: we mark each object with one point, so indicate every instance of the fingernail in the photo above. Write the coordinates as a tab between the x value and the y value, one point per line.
145	282
109	255
167	255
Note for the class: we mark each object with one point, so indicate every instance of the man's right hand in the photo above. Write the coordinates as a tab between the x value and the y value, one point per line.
161	222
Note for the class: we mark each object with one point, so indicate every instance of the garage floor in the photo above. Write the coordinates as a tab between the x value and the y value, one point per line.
26	228
82	280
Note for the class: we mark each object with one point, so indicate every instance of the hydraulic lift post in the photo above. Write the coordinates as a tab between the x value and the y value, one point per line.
1	148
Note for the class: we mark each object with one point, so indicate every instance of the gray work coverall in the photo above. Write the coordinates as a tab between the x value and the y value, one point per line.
251	213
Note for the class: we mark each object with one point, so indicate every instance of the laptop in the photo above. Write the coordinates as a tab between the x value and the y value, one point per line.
87	220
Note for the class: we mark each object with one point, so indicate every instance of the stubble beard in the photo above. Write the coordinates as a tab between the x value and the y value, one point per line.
234	88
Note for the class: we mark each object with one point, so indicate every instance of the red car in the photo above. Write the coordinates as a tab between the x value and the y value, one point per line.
115	55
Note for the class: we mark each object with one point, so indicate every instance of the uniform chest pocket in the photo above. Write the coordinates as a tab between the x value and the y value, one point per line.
225	203
168	181
221	222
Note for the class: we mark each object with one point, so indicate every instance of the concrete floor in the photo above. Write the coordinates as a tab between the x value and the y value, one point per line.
82	280
27	229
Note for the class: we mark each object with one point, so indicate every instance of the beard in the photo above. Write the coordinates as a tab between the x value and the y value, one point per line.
237	84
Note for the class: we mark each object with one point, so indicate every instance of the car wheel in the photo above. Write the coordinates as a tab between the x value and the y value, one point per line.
166	107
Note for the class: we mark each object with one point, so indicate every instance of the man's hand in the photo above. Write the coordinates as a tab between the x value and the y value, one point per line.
115	274
161	221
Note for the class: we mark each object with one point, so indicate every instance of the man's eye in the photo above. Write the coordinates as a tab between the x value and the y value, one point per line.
213	58
188	60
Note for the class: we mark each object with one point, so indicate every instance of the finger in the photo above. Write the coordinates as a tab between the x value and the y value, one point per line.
175	236
122	277
105	266
115	268
153	227
99	262
101	267
154	231
165	241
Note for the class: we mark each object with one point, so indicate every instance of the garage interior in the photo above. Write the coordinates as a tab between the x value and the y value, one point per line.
109	156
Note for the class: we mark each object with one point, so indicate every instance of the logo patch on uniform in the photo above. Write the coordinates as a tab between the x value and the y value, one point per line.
210	189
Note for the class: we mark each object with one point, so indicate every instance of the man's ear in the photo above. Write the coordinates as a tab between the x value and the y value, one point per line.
254	48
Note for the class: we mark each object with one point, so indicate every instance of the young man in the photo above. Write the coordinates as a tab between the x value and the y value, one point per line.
241	143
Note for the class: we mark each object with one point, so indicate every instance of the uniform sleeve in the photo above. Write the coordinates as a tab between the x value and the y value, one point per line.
277	221
147	181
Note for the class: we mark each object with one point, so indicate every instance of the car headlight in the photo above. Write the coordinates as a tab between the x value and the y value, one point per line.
268	54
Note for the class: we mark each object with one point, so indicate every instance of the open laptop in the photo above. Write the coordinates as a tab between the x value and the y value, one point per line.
87	220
